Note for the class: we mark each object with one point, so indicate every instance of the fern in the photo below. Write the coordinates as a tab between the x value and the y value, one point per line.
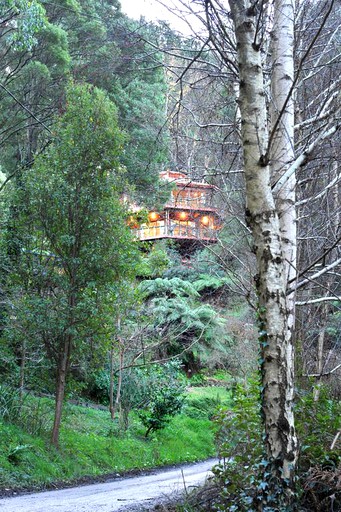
185	322
188	317
174	287
207	283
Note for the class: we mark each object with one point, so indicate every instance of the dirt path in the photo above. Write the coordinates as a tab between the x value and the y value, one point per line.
124	494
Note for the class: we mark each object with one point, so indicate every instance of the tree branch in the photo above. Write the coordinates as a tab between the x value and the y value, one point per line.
303	158
318	301
316	275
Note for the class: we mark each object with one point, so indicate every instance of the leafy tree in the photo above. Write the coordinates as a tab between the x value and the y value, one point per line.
94	42
20	21
77	244
139	88
31	91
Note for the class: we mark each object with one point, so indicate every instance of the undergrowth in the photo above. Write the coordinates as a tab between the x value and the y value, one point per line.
91	444
238	478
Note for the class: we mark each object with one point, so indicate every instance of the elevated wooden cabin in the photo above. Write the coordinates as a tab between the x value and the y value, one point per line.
189	215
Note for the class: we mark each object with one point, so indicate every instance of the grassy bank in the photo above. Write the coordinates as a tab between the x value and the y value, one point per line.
92	445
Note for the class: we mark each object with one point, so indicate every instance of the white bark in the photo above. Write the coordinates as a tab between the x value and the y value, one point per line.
281	156
318	300
268	234
282	123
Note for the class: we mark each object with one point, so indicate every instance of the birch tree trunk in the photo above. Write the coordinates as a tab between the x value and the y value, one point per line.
320	352
281	150
272	269
281	153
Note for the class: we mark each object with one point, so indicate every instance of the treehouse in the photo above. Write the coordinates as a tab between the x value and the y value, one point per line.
188	217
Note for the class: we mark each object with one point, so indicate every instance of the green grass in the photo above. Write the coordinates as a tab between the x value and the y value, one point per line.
210	392
92	445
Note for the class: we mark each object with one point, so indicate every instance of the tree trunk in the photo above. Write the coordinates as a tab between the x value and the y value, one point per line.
320	351
60	391
63	367
281	153
111	383
271	279
114	406
22	371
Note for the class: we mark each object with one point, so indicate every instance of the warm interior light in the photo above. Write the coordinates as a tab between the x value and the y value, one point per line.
153	216
183	215
132	222
205	220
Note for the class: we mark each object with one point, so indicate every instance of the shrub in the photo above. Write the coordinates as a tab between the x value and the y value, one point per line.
149	388
239	444
163	405
165	400
317	422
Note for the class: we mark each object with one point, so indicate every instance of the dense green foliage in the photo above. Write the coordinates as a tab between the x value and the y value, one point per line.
69	244
28	17
186	325
92	42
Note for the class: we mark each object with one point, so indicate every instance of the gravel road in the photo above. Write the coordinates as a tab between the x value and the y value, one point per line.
124	494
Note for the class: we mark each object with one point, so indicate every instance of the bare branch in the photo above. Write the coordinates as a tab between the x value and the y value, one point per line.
317	275
303	157
324	374
318	301
335	181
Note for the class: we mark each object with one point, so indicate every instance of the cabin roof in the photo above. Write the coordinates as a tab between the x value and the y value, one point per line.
181	179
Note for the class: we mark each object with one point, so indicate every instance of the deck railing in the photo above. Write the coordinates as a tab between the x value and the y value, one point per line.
191	202
175	229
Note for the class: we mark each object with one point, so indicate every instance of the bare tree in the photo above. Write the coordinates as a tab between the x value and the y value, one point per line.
280	61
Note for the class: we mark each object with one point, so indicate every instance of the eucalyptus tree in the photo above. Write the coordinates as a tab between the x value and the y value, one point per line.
108	50
32	81
139	88
77	244
20	20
